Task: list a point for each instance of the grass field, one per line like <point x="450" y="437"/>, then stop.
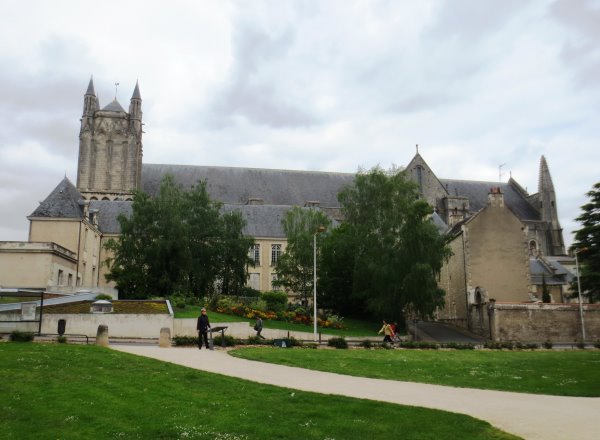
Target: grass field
<point x="564" y="373"/>
<point x="52" y="391"/>
<point x="354" y="327"/>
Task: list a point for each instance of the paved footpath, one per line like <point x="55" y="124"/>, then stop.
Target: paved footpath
<point x="531" y="416"/>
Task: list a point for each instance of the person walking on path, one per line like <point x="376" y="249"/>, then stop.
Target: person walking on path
<point x="387" y="332"/>
<point x="258" y="327"/>
<point x="202" y="327"/>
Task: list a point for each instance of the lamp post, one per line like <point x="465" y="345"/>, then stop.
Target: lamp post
<point x="317" y="232"/>
<point x="579" y="293"/>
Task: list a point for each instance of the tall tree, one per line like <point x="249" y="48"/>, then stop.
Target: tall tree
<point x="398" y="250"/>
<point x="177" y="242"/>
<point x="295" y="265"/>
<point x="233" y="256"/>
<point x="336" y="270"/>
<point x="587" y="245"/>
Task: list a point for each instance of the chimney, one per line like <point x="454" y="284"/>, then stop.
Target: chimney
<point x="495" y="197"/>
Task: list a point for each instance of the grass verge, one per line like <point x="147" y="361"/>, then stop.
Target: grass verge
<point x="561" y="373"/>
<point x="80" y="392"/>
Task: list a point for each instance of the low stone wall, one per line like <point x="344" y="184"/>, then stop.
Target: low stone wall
<point x="119" y="325"/>
<point x="540" y="322"/>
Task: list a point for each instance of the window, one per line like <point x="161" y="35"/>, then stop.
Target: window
<point x="60" y="277"/>
<point x="533" y="248"/>
<point x="254" y="254"/>
<point x="254" y="280"/>
<point x="70" y="280"/>
<point x="275" y="253"/>
<point x="274" y="278"/>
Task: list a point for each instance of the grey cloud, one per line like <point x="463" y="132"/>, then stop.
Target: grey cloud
<point x="580" y="51"/>
<point x="473" y="20"/>
<point x="252" y="91"/>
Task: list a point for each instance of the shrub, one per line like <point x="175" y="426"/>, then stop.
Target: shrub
<point x="366" y="344"/>
<point x="335" y="319"/>
<point x="276" y="301"/>
<point x="61" y="339"/>
<point x="18" y="336"/>
<point x="229" y="341"/>
<point x="499" y="345"/>
<point x="255" y="340"/>
<point x="311" y="345"/>
<point x="597" y="343"/>
<point x="103" y="296"/>
<point x="185" y="340"/>
<point x="338" y="343"/>
<point x="548" y="344"/>
<point x="459" y="346"/>
<point x="249" y="292"/>
<point x="260" y="304"/>
<point x="580" y="344"/>
<point x="419" y="345"/>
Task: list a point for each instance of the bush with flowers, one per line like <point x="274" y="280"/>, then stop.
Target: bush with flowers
<point x="298" y="316"/>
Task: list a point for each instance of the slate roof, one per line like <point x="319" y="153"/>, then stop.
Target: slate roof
<point x="261" y="220"/>
<point x="63" y="202"/>
<point x="477" y="193"/>
<point x="114" y="106"/>
<point x="439" y="222"/>
<point x="136" y="92"/>
<point x="108" y="212"/>
<point x="237" y="185"/>
<point x="554" y="272"/>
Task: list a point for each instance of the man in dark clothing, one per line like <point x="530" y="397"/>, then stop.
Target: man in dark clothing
<point x="202" y="327"/>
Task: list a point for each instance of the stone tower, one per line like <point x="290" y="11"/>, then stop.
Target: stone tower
<point x="548" y="211"/>
<point x="110" y="148"/>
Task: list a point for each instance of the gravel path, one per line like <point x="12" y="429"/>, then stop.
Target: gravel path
<point x="531" y="416"/>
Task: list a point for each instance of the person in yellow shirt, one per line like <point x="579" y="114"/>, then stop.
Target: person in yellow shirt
<point x="387" y="332"/>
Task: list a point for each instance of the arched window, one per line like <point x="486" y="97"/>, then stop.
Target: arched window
<point x="533" y="247"/>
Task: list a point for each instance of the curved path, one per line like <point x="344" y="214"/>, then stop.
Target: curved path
<point x="530" y="416"/>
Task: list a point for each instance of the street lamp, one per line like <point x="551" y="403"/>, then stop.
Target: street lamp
<point x="317" y="232"/>
<point x="579" y="293"/>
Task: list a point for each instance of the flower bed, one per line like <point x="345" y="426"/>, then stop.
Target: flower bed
<point x="287" y="316"/>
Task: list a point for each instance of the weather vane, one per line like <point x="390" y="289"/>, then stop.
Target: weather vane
<point x="116" y="87"/>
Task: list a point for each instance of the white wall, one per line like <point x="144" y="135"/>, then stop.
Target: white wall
<point x="119" y="325"/>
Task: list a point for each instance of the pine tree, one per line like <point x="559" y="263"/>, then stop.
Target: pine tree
<point x="587" y="246"/>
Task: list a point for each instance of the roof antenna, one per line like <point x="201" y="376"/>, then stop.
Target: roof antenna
<point x="116" y="87"/>
<point x="500" y="172"/>
<point x="417" y="148"/>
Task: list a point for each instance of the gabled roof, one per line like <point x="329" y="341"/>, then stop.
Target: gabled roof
<point x="63" y="202"/>
<point x="238" y="185"/>
<point x="477" y="192"/>
<point x="114" y="106"/>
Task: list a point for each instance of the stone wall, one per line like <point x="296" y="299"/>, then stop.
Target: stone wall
<point x="540" y="322"/>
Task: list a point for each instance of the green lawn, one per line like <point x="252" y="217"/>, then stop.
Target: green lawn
<point x="354" y="326"/>
<point x="564" y="373"/>
<point x="52" y="391"/>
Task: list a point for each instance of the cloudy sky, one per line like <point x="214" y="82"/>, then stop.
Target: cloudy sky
<point x="317" y="85"/>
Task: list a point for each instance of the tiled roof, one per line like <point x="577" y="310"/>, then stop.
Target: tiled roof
<point x="63" y="202"/>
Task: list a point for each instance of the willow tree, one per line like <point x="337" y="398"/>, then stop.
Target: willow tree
<point x="398" y="251"/>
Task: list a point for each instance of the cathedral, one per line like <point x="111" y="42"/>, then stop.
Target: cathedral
<point x="496" y="229"/>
